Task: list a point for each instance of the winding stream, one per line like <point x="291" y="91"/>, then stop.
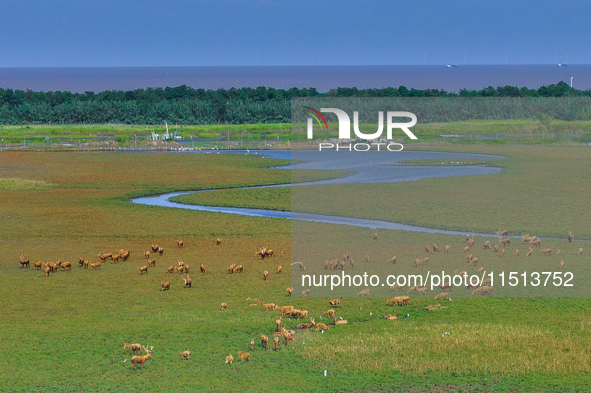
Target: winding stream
<point x="365" y="167"/>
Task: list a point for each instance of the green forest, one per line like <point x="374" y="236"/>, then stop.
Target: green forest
<point x="186" y="105"/>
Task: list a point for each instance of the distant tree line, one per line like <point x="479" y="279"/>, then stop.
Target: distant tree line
<point x="186" y="105"/>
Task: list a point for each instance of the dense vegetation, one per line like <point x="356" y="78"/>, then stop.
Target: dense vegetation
<point x="186" y="105"/>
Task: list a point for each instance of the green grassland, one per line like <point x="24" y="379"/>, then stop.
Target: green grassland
<point x="80" y="131"/>
<point x="65" y="332"/>
<point x="511" y="131"/>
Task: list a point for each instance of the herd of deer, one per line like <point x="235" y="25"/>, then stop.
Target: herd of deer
<point x="482" y="289"/>
<point x="115" y="257"/>
<point x="290" y="311"/>
<point x="282" y="331"/>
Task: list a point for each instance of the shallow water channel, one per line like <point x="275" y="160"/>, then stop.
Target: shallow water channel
<point x="367" y="167"/>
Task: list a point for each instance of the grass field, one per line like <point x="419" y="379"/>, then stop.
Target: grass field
<point x="65" y="332"/>
<point x="96" y="136"/>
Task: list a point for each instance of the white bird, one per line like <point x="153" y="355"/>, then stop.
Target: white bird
<point x="445" y="334"/>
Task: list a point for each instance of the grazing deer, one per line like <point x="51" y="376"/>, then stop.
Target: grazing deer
<point x="287" y="336"/>
<point x="570" y="236"/>
<point x="335" y="302"/>
<point x="142" y="269"/>
<point x="278" y="323"/>
<point x="165" y="285"/>
<point x="229" y="359"/>
<point x="133" y="347"/>
<point x="139" y="359"/>
<point x="244" y="356"/>
<point x="185" y="354"/>
<point x="264" y="341"/>
<point x="180" y="243"/>
<point x="188" y="281"/>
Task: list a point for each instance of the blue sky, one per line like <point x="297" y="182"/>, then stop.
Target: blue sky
<point x="44" y="33"/>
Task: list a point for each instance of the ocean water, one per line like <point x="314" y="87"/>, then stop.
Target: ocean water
<point x="322" y="78"/>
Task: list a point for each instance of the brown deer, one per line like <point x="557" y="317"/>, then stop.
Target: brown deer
<point x="139" y="359"/>
<point x="133" y="347"/>
<point x="24" y="260"/>
<point x="188" y="281"/>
